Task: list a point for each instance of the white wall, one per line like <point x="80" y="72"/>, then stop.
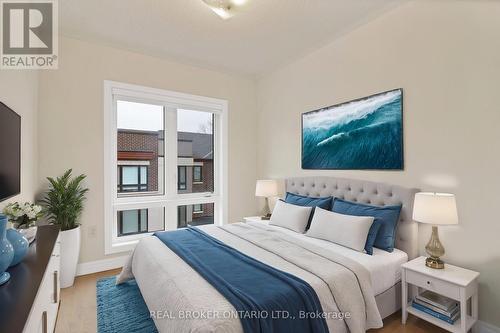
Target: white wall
<point x="446" y="57"/>
<point x="71" y="122"/>
<point x="19" y="91"/>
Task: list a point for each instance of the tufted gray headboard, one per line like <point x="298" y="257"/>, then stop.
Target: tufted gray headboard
<point x="366" y="192"/>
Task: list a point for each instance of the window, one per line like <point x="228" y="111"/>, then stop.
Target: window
<point x="132" y="221"/>
<point x="197" y="174"/>
<point x="181" y="217"/>
<point x="166" y="160"/>
<point x="139" y="131"/>
<point x="194" y="215"/>
<point x="181" y="182"/>
<point x="195" y="148"/>
<point x="198" y="208"/>
<point x="132" y="178"/>
<point x="139" y="221"/>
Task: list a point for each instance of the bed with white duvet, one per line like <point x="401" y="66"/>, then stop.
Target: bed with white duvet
<point x="346" y="281"/>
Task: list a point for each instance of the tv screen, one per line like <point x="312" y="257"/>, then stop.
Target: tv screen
<point x="10" y="152"/>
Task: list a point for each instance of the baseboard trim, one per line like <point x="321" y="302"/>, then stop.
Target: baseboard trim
<point x="100" y="265"/>
<point x="484" y="327"/>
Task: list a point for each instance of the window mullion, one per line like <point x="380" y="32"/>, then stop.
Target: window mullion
<point x="171" y="178"/>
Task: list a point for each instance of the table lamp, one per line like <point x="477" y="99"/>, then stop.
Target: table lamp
<point x="436" y="209"/>
<point x="266" y="189"/>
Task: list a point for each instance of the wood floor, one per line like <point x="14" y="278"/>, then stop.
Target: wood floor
<point x="77" y="313"/>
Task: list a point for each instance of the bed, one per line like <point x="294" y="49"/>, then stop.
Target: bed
<point x="170" y="286"/>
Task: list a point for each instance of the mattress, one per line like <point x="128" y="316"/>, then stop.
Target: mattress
<point x="384" y="267"/>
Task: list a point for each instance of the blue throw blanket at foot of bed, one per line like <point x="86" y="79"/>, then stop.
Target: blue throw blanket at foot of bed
<point x="266" y="299"/>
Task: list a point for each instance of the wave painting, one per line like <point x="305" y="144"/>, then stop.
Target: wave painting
<point x="363" y="134"/>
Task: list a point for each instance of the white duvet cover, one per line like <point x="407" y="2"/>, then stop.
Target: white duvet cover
<point x="180" y="300"/>
<point x="384" y="267"/>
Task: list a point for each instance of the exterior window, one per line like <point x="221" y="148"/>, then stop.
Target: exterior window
<point x="197" y="174"/>
<point x="132" y="222"/>
<point x="194" y="215"/>
<point x="182" y="178"/>
<point x="198" y="208"/>
<point x="148" y="137"/>
<point x="132" y="178"/>
<point x="181" y="216"/>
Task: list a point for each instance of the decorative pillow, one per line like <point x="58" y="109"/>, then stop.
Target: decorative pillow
<point x="346" y="230"/>
<point x="290" y="216"/>
<point x="383" y="231"/>
<point x="300" y="200"/>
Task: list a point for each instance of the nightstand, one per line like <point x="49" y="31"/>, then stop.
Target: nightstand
<point x="252" y="219"/>
<point x="454" y="282"/>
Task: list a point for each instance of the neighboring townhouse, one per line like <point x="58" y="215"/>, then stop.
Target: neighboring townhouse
<point x="141" y="170"/>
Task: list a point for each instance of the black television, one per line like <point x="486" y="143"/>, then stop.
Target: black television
<point x="10" y="152"/>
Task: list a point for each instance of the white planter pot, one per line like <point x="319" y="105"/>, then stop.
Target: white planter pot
<point x="70" y="251"/>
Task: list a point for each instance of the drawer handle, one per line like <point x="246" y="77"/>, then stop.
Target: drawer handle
<point x="56" y="296"/>
<point x="45" y="328"/>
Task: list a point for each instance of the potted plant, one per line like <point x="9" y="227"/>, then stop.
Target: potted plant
<point x="63" y="205"/>
<point x="23" y="217"/>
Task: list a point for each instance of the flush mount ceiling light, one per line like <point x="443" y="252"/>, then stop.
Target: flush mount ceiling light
<point x="224" y="8"/>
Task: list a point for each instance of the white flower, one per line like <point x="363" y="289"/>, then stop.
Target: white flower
<point x="16" y="211"/>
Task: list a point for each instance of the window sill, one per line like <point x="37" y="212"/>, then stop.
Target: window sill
<point x="122" y="247"/>
<point x="126" y="243"/>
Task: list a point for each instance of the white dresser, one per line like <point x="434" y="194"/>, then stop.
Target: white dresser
<point x="43" y="314"/>
<point x="30" y="300"/>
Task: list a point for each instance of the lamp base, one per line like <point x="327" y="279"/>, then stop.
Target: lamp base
<point x="434" y="262"/>
<point x="435" y="250"/>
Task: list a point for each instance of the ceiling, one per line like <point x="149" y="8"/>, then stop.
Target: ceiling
<point x="262" y="35"/>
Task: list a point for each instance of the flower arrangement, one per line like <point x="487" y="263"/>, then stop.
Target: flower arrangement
<point x="23" y="215"/>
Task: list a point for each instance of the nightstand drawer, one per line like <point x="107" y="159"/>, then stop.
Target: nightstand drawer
<point x="433" y="284"/>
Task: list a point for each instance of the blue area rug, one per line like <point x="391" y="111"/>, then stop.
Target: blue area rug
<point x="122" y="308"/>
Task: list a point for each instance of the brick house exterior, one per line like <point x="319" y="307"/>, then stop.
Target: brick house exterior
<point x="199" y="148"/>
<point x="138" y="148"/>
<point x="134" y="145"/>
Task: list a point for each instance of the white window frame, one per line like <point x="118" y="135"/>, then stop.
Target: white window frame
<point x="171" y="198"/>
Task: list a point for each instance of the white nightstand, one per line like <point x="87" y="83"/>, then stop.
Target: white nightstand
<point x="454" y="282"/>
<point x="252" y="219"/>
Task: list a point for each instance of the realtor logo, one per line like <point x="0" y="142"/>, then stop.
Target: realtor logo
<point x="29" y="34"/>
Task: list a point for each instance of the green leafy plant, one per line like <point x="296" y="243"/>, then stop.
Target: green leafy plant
<point x="63" y="202"/>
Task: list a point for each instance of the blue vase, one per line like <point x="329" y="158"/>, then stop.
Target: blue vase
<point x="6" y="251"/>
<point x="20" y="245"/>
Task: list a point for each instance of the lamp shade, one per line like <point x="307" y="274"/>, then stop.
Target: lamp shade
<point x="435" y="208"/>
<point x="266" y="188"/>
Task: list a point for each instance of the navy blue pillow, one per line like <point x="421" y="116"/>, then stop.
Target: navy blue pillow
<point x="382" y="233"/>
<point x="300" y="200"/>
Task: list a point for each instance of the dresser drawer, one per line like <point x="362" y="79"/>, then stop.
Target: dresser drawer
<point x="43" y="313"/>
<point x="433" y="284"/>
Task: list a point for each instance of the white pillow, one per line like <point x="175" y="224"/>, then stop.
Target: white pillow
<point x="290" y="216"/>
<point x="346" y="230"/>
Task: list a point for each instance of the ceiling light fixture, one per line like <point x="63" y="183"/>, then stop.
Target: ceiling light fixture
<point x="224" y="8"/>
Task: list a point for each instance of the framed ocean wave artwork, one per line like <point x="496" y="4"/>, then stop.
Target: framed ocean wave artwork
<point x="363" y="134"/>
